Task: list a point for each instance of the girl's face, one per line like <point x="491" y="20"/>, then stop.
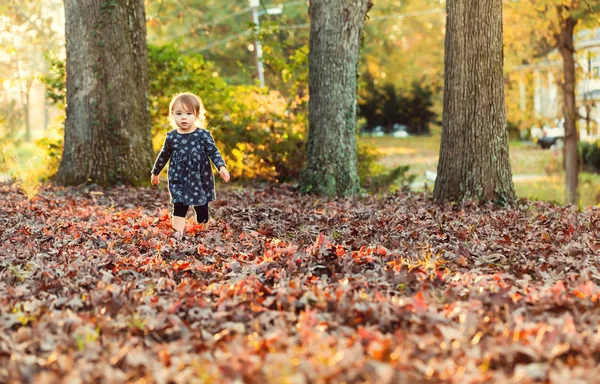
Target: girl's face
<point x="184" y="118"/>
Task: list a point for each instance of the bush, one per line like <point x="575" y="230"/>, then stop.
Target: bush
<point x="52" y="144"/>
<point x="386" y="106"/>
<point x="375" y="177"/>
<point x="590" y="153"/>
<point x="513" y="131"/>
<point x="262" y="138"/>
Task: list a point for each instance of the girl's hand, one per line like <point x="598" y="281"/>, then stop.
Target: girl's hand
<point x="224" y="174"/>
<point x="155" y="180"/>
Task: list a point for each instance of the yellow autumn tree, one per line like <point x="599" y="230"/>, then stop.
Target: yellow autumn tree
<point x="535" y="30"/>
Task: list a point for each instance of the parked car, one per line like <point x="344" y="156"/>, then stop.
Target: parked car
<point x="547" y="136"/>
<point x="378" y="131"/>
<point x="546" y="142"/>
<point x="399" y="130"/>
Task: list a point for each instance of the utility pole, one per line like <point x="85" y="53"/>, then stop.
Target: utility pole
<point x="254" y="4"/>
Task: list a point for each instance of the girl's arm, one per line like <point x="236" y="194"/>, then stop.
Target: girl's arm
<point x="213" y="152"/>
<point x="163" y="157"/>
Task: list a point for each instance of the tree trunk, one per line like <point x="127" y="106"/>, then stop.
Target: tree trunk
<point x="335" y="38"/>
<point x="107" y="130"/>
<point x="27" y="121"/>
<point x="570" y="149"/>
<point x="474" y="162"/>
<point x="25" y="91"/>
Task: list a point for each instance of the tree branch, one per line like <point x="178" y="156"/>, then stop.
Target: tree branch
<point x="544" y="47"/>
<point x="592" y="12"/>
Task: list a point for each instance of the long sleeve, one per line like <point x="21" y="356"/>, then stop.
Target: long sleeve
<point x="213" y="151"/>
<point x="163" y="157"/>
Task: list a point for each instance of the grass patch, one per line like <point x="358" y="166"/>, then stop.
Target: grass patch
<point x="26" y="165"/>
<point x="538" y="173"/>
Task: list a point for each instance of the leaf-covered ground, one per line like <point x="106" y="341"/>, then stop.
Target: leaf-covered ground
<point x="285" y="288"/>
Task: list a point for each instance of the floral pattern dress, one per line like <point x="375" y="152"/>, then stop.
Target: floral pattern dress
<point x="191" y="180"/>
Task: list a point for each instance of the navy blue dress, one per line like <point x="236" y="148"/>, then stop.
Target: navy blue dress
<point x="191" y="180"/>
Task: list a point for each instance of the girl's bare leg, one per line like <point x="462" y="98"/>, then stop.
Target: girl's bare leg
<point x="178" y="223"/>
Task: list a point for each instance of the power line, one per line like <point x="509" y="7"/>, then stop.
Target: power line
<point x="213" y="23"/>
<point x="377" y="18"/>
<point x="231" y="16"/>
<point x="307" y="25"/>
<point x="222" y="41"/>
<point x="407" y="14"/>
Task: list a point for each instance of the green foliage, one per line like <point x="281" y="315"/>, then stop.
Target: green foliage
<point x="375" y="177"/>
<point x="590" y="153"/>
<point x="223" y="32"/>
<point x="52" y="145"/>
<point x="55" y="80"/>
<point x="385" y="106"/>
<point x="286" y="61"/>
<point x="170" y="72"/>
<point x="262" y="138"/>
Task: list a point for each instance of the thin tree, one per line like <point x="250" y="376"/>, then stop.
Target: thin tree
<point x="564" y="43"/>
<point x="474" y="162"/>
<point x="107" y="130"/>
<point x="335" y="39"/>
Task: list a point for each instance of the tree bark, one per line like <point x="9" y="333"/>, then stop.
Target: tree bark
<point x="107" y="130"/>
<point x="570" y="113"/>
<point x="474" y="162"/>
<point x="335" y="39"/>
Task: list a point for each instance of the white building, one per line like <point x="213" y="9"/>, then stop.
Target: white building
<point x="547" y="95"/>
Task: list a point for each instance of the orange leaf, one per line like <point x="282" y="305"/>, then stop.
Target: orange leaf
<point x="419" y="303"/>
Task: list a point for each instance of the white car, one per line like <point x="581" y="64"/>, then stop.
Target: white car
<point x="400" y="134"/>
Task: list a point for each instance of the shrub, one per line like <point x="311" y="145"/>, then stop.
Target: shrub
<point x="590" y="153"/>
<point x="375" y="177"/>
<point x="514" y="133"/>
<point x="262" y="138"/>
<point x="385" y="105"/>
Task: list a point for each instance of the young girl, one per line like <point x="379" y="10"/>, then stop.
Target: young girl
<point x="189" y="146"/>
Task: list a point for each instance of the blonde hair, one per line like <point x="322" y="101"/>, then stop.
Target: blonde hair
<point x="189" y="102"/>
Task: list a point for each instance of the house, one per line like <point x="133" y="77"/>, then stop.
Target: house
<point x="547" y="95"/>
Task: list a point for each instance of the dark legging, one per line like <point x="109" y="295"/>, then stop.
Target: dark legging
<point x="180" y="210"/>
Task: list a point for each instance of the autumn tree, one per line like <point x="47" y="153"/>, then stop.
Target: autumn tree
<point x="107" y="129"/>
<point x="335" y="34"/>
<point x="474" y="162"/>
<point x="551" y="26"/>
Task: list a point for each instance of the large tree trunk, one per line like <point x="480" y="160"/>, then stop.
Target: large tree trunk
<point x="474" y="163"/>
<point x="570" y="149"/>
<point x="107" y="130"/>
<point x="335" y="38"/>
